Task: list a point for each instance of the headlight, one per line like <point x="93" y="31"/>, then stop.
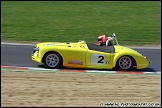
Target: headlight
<point x="35" y="49"/>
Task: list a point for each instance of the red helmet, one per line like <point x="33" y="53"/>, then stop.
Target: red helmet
<point x="102" y="40"/>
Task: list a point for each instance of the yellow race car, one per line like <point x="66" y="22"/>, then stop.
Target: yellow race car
<point x="88" y="55"/>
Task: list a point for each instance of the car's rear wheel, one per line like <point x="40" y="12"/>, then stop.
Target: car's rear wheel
<point x="52" y="60"/>
<point x="125" y="63"/>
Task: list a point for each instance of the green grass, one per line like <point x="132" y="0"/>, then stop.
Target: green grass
<point x="134" y="22"/>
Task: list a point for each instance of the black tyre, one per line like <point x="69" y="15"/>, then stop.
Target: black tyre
<point x="125" y="63"/>
<point x="52" y="60"/>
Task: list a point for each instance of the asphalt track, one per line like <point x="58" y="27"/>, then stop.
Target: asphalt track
<point x="20" y="55"/>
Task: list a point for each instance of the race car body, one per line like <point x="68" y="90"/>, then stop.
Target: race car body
<point x="88" y="55"/>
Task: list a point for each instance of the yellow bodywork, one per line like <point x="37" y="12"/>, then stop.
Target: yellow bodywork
<point x="78" y="55"/>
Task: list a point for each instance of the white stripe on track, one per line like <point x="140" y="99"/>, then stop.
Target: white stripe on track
<point x="96" y="71"/>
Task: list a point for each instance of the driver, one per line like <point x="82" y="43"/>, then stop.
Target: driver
<point x="105" y="41"/>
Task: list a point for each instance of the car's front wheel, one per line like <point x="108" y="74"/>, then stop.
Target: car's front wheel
<point x="52" y="60"/>
<point x="125" y="63"/>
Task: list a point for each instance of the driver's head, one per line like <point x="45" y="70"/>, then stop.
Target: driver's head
<point x="102" y="40"/>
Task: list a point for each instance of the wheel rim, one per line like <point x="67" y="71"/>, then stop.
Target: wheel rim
<point x="52" y="60"/>
<point x="125" y="62"/>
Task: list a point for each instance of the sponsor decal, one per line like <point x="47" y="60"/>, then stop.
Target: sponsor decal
<point x="107" y="62"/>
<point x="75" y="62"/>
<point x="49" y="44"/>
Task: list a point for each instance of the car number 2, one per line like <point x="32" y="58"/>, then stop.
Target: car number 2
<point x="101" y="58"/>
<point x="97" y="59"/>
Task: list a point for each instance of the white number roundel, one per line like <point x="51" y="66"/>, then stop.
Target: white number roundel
<point x="97" y="59"/>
